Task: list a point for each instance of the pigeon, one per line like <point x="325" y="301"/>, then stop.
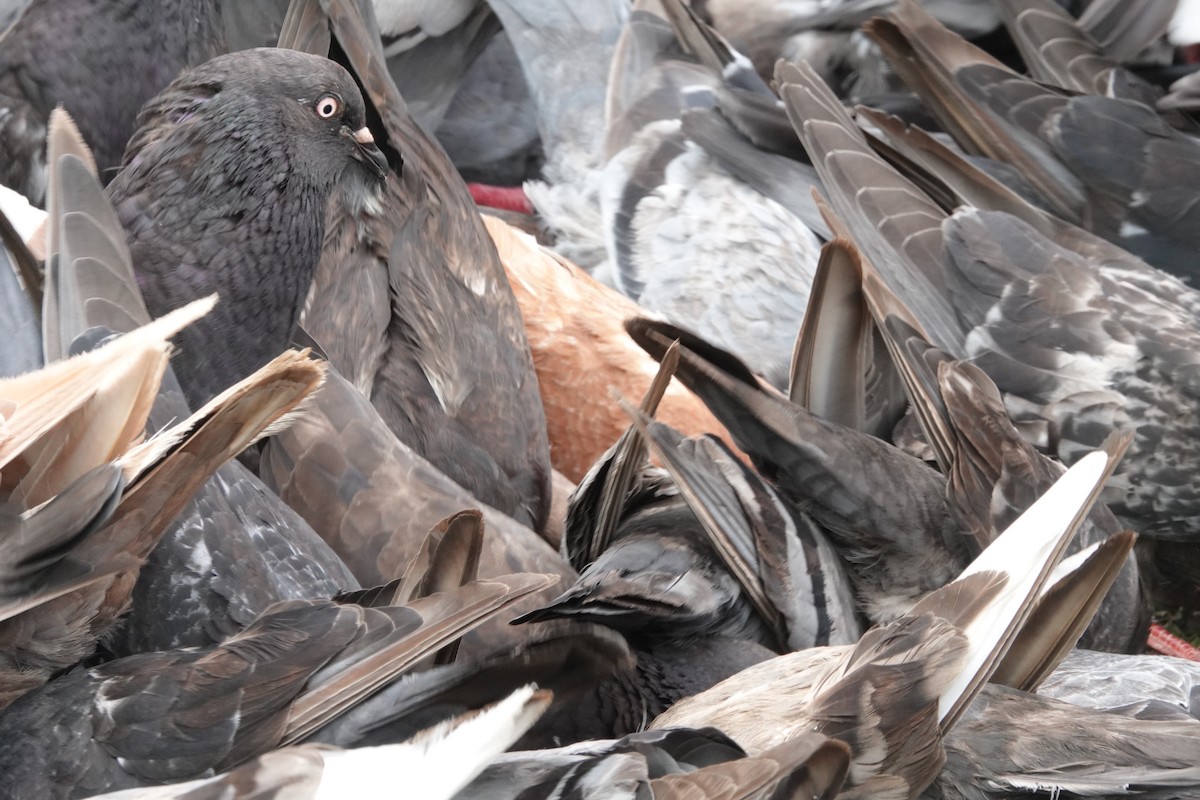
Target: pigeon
<point x="102" y="60"/>
<point x="1057" y="49"/>
<point x="897" y="527"/>
<point x="432" y="762"/>
<point x="490" y="128"/>
<point x="993" y="473"/>
<point x="989" y="283"/>
<point x="827" y="35"/>
<point x="236" y="548"/>
<point x="296" y="668"/>
<point x="894" y="695"/>
<point x="565" y="48"/>
<point x="223" y="189"/>
<point x="688" y="236"/>
<point x="411" y="305"/>
<point x="373" y="499"/>
<point x="1015" y="744"/>
<point x="92" y="408"/>
<point x="885" y="511"/>
<point x="1098" y="159"/>
<point x="697" y="600"/>
<point x="1143" y="686"/>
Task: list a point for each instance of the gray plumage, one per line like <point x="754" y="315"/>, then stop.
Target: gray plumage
<point x="1145" y="686"/>
<point x="10" y="10"/>
<point x="688" y="236"/>
<point x="565" y="48"/>
<point x="101" y="59"/>
<point x="659" y="581"/>
<point x="490" y="128"/>
<point x="1014" y="744"/>
<point x="784" y="564"/>
<point x="886" y="512"/>
<point x="233" y="551"/>
<point x="175" y="715"/>
<point x="224" y="188"/>
<point x="18" y="326"/>
<point x="235" y="548"/>
<point x="685" y="616"/>
<point x="669" y="764"/>
<point x="1079" y="336"/>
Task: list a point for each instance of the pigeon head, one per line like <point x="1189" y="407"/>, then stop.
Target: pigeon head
<point x="306" y="106"/>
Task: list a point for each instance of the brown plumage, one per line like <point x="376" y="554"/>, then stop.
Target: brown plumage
<point x="809" y="766"/>
<point x="294" y="670"/>
<point x="1058" y="51"/>
<point x="885" y="710"/>
<point x="840" y="368"/>
<point x="73" y="415"/>
<point x="1105" y="159"/>
<point x="410" y="303"/>
<point x="583" y="355"/>
<point x="373" y="499"/>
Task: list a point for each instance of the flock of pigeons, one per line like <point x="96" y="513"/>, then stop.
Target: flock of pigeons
<point x="316" y="482"/>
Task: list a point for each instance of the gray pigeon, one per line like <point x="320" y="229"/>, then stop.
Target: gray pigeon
<point x="236" y="547"/>
<point x="101" y="59"/>
<point x="224" y="189"/>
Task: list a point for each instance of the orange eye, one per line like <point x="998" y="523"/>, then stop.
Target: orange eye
<point x="328" y="106"/>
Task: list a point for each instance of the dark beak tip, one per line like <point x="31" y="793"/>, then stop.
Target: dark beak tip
<point x="374" y="160"/>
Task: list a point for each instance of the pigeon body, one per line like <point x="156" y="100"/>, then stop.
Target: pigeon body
<point x="1016" y="744"/>
<point x="102" y="60"/>
<point x="411" y="305"/>
<point x="689" y="233"/>
<point x="224" y="189"/>
<point x="182" y="714"/>
<point x="1143" y="686"/>
<point x="236" y="547"/>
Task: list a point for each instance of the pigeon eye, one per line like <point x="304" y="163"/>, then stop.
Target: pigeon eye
<point x="328" y="106"/>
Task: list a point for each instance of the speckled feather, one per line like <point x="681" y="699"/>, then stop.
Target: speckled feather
<point x="1076" y="333"/>
<point x="122" y="724"/>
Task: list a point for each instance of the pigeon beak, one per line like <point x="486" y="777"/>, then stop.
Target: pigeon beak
<point x="369" y="153"/>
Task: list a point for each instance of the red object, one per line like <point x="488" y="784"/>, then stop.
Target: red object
<point x="507" y="198"/>
<point x="1168" y="644"/>
<point x="1190" y="53"/>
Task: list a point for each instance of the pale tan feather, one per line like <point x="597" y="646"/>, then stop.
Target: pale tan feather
<point x="76" y="414"/>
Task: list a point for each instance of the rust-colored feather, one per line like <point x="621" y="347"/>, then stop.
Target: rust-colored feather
<point x="582" y="354"/>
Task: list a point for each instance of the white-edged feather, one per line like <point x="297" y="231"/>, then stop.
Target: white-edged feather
<point x="26" y="218"/>
<point x="1025" y="554"/>
<point x="437" y="763"/>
